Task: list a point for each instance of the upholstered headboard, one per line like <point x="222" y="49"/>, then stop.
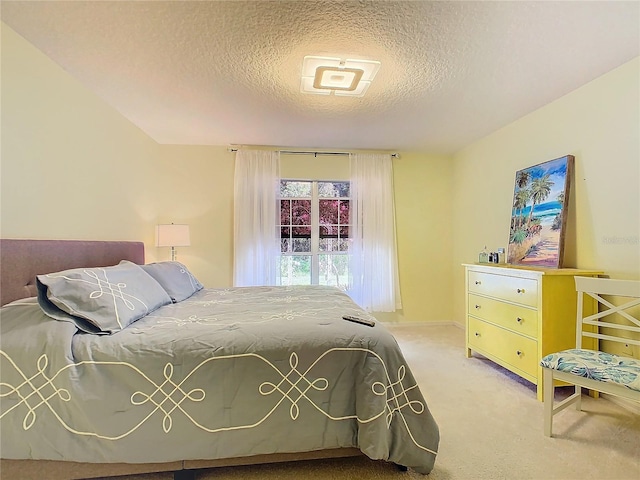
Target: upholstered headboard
<point x="22" y="260"/>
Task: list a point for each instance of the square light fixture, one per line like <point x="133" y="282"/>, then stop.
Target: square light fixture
<point x="327" y="75"/>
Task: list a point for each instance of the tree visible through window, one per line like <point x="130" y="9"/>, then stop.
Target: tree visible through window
<point x="314" y="233"/>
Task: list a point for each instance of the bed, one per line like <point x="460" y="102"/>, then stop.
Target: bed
<point x="209" y="377"/>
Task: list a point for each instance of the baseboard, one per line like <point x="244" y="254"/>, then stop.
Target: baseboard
<point x="630" y="405"/>
<point x="425" y="324"/>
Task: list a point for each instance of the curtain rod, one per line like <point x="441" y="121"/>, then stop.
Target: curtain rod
<point x="315" y="154"/>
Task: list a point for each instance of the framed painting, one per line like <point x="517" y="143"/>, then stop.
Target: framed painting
<point x="539" y="213"/>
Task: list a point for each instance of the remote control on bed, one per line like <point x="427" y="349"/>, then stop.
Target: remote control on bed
<point x="363" y="321"/>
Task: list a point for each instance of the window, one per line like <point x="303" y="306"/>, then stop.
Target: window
<point x="314" y="233"/>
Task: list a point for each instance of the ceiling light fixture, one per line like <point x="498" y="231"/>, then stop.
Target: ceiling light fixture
<point x="327" y="75"/>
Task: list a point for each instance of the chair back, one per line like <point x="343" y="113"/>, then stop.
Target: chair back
<point x="616" y="319"/>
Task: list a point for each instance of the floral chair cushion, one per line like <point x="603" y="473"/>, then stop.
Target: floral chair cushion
<point x="595" y="365"/>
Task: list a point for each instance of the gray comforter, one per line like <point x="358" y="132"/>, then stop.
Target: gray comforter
<point x="226" y="373"/>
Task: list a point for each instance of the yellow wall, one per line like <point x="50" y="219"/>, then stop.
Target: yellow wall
<point x="599" y="124"/>
<point x="422" y="189"/>
<point x="309" y="167"/>
<point x="74" y="168"/>
<point x="196" y="185"/>
<point x="70" y="163"/>
<point x="422" y="186"/>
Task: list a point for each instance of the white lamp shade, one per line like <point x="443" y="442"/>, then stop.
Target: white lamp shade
<point x="172" y="236"/>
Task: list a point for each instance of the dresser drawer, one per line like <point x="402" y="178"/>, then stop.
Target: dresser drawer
<point x="522" y="320"/>
<point x="518" y="351"/>
<point x="512" y="289"/>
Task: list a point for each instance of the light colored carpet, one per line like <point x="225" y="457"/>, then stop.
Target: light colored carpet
<point x="490" y="426"/>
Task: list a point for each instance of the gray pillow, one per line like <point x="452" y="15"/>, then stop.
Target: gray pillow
<point x="100" y="300"/>
<point x="175" y="278"/>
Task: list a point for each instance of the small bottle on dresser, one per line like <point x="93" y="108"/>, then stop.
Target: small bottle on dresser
<point x="483" y="256"/>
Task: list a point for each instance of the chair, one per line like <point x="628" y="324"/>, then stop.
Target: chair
<point x="593" y="369"/>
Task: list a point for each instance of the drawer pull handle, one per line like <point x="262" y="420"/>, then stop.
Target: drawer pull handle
<point x="521" y="290"/>
<point x="519" y="353"/>
<point x="478" y="282"/>
<point x="477" y="334"/>
<point x="477" y="306"/>
<point x="519" y="320"/>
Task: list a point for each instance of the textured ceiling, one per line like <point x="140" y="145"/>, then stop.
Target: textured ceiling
<point x="228" y="72"/>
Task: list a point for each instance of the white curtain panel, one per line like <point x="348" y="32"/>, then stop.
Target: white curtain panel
<point x="256" y="217"/>
<point x="373" y="263"/>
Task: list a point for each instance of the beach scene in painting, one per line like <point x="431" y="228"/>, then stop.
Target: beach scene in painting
<point x="540" y="197"/>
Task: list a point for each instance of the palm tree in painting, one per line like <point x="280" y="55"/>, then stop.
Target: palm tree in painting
<point x="540" y="190"/>
<point x="523" y="178"/>
<point x="557" y="221"/>
<point x="519" y="203"/>
<point x="521" y="197"/>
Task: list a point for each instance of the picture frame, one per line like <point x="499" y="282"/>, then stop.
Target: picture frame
<point x="539" y="213"/>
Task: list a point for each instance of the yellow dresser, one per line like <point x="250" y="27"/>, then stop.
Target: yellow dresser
<point x="517" y="315"/>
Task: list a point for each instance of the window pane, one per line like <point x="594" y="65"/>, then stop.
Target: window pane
<point x="301" y="245"/>
<point x="301" y="232"/>
<point x="292" y="189"/>
<point x="325" y="245"/>
<point x="344" y="212"/>
<point x="328" y="210"/>
<point x="301" y="212"/>
<point x="344" y="188"/>
<point x="285" y="212"/>
<point x="332" y="245"/>
<point x="333" y="189"/>
<point x="334" y="270"/>
<point x="295" y="270"/>
<point x="328" y="231"/>
<point x="284" y="245"/>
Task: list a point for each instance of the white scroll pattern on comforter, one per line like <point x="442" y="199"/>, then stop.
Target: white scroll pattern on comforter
<point x="309" y="385"/>
<point x="169" y="396"/>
